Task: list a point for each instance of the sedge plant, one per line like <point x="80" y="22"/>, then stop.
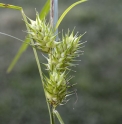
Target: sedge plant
<point x="61" y="52"/>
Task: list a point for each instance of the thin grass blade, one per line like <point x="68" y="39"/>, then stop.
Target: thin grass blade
<point x="19" y="53"/>
<point x="24" y="46"/>
<point x="66" y="11"/>
<point x="10" y="6"/>
<point x="45" y="9"/>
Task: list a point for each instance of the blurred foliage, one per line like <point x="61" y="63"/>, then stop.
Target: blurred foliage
<point x="98" y="74"/>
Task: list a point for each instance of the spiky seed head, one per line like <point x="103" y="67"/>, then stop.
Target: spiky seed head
<point x="55" y="88"/>
<point x="42" y="33"/>
<point x="63" y="54"/>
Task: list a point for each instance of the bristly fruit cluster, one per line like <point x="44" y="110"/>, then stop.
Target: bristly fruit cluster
<point x="60" y="57"/>
<point x="42" y="33"/>
<point x="55" y="88"/>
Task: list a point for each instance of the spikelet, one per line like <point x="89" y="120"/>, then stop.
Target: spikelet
<point x="62" y="55"/>
<point x="55" y="88"/>
<point x="42" y="33"/>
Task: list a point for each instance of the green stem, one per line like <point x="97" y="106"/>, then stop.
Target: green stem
<point x="58" y="116"/>
<point x="53" y="115"/>
<point x="39" y="67"/>
<point x="40" y="72"/>
<point x="53" y="21"/>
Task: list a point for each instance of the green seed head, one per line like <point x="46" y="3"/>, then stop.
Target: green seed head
<point x="62" y="55"/>
<point x="55" y="88"/>
<point x="42" y="33"/>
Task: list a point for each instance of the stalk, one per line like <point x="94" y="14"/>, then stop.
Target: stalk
<point x="53" y="22"/>
<point x="54" y="15"/>
<point x="35" y="53"/>
<point x="39" y="68"/>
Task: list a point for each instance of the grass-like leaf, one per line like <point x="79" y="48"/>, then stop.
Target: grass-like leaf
<point x="24" y="46"/>
<point x="10" y="6"/>
<point x="19" y="53"/>
<point x="67" y="10"/>
<point x="45" y="9"/>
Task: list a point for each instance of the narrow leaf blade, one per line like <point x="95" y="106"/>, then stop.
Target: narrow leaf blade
<point x="24" y="46"/>
<point x="19" y="53"/>
<point x="10" y="6"/>
<point x="45" y="9"/>
<point x="67" y="10"/>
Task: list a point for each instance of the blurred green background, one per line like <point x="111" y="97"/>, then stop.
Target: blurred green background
<point x="99" y="74"/>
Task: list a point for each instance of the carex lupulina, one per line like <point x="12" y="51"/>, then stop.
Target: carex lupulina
<point x="60" y="57"/>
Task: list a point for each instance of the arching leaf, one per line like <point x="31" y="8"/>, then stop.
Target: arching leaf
<point x="24" y="46"/>
<point x="66" y="11"/>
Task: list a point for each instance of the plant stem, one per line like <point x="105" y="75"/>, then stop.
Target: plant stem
<point x="40" y="72"/>
<point x="54" y="15"/>
<point x="35" y="53"/>
<point x="53" y="21"/>
<point x="51" y="12"/>
<point x="39" y="67"/>
<point x="53" y="115"/>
